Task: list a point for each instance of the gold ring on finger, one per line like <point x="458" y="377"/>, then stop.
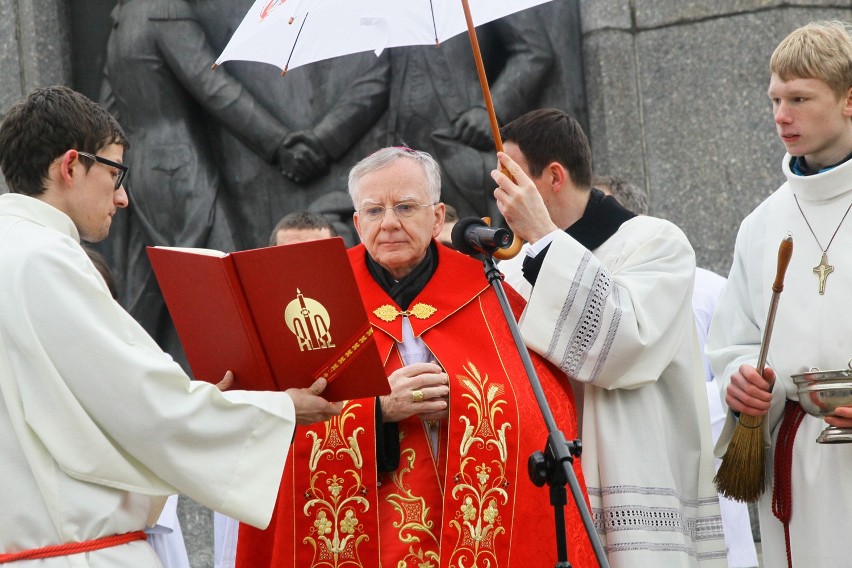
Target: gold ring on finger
<point x="417" y="395"/>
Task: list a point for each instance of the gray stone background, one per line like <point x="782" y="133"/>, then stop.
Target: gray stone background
<point x="676" y="103"/>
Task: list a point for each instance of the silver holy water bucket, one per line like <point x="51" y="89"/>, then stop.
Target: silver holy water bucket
<point x="820" y="393"/>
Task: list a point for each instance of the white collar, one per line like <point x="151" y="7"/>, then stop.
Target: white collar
<point x="37" y="211"/>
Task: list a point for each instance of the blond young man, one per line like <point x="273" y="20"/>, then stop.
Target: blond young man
<point x="811" y="93"/>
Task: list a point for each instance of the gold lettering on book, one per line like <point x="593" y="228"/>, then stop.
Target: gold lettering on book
<point x="309" y="321"/>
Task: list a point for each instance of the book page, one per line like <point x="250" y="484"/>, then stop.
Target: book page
<point x="190" y="250"/>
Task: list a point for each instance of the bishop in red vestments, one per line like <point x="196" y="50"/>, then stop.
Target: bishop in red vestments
<point x="434" y="474"/>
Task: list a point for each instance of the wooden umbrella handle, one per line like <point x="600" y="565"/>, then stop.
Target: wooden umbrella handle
<point x="515" y="247"/>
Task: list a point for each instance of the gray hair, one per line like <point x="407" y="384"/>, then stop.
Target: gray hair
<point x="385" y="157"/>
<point x="631" y="197"/>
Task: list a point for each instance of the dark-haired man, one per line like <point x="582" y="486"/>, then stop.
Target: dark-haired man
<point x="82" y="386"/>
<point x="611" y="306"/>
<point x="300" y="227"/>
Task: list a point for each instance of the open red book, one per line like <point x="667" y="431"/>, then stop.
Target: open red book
<point x="278" y="317"/>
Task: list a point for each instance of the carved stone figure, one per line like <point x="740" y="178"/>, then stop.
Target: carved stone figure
<point x="437" y="104"/>
<point x="158" y="80"/>
<point x="219" y="155"/>
<point x="335" y="106"/>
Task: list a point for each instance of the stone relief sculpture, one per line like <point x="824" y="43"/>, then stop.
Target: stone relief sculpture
<point x="436" y="101"/>
<point x="334" y="106"/>
<point x="157" y="81"/>
<point x="220" y="155"/>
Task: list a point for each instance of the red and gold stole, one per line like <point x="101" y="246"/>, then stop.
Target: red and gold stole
<point x="472" y="505"/>
<point x="327" y="509"/>
<point x="475" y="505"/>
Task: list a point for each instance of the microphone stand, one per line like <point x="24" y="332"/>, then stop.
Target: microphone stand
<point x="554" y="465"/>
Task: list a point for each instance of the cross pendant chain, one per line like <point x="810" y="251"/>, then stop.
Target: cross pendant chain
<point x="822" y="270"/>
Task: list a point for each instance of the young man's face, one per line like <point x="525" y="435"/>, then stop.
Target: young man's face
<point x="94" y="199"/>
<point x="811" y="120"/>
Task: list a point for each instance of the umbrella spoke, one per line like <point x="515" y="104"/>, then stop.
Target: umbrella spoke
<point x="434" y="25"/>
<point x="295" y="43"/>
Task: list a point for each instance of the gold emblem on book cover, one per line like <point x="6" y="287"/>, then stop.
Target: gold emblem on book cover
<point x="309" y="321"/>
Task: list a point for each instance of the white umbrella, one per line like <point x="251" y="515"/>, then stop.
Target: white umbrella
<point x="290" y="33"/>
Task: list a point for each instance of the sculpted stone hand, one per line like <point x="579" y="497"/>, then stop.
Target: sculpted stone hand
<point x="302" y="158"/>
<point x="404" y="400"/>
<point x="310" y="406"/>
<point x="474" y="129"/>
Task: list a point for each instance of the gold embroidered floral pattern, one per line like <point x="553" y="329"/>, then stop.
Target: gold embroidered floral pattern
<point x="336" y="532"/>
<point x="480" y="484"/>
<point x="413" y="522"/>
<point x="418" y="310"/>
<point x="484" y="402"/>
<point x="336" y="443"/>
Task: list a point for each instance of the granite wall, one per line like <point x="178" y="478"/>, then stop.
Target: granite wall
<point x="676" y="93"/>
<point x="34" y="49"/>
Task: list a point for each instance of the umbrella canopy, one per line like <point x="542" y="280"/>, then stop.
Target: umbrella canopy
<point x="290" y="33"/>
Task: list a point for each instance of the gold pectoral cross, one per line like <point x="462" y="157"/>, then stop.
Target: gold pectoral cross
<point x="822" y="270"/>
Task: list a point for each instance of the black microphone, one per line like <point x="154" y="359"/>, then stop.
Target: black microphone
<point x="472" y="236"/>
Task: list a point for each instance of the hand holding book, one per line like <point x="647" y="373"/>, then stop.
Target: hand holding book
<point x="278" y="317"/>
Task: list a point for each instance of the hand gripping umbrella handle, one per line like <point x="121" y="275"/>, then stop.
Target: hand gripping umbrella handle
<point x="785" y="252"/>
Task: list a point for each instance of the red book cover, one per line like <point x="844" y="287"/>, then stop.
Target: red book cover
<point x="278" y="317"/>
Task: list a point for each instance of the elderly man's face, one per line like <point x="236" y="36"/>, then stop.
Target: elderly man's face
<point x="395" y="241"/>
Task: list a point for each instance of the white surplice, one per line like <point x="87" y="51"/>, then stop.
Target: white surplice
<point x="811" y="330"/>
<point x="166" y="537"/>
<point x="619" y="320"/>
<point x="97" y="423"/>
<point x="735" y="517"/>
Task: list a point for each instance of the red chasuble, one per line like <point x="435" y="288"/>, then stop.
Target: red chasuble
<point x="472" y="506"/>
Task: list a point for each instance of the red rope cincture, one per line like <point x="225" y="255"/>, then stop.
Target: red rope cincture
<point x="782" y="491"/>
<point x="73" y="547"/>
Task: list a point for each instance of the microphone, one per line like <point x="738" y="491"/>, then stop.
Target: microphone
<point x="472" y="236"/>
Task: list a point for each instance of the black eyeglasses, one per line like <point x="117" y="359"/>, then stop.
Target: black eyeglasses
<point x="119" y="175"/>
